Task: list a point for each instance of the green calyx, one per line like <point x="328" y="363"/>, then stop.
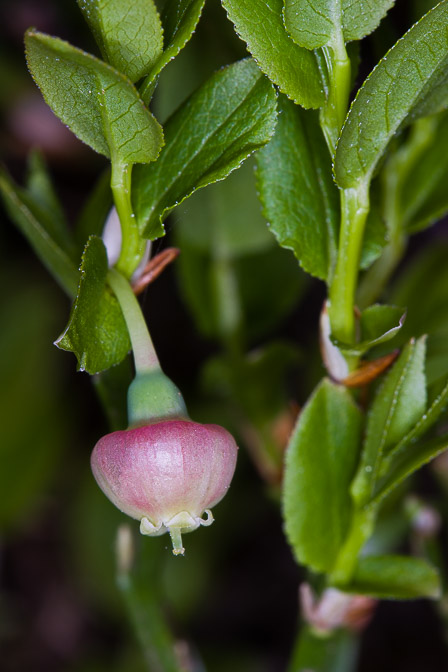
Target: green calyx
<point x="153" y="396"/>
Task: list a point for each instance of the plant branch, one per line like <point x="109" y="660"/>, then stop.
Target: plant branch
<point x="394" y="212"/>
<point x="145" y="357"/>
<point x="132" y="246"/>
<point x="332" y="115"/>
<point x="354" y="211"/>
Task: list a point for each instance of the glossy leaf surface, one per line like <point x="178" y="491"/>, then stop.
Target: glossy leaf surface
<point x="413" y="450"/>
<point x="219" y="126"/>
<point x="128" y="32"/>
<point x="320" y="463"/>
<point x="409" y="82"/>
<point x="179" y="18"/>
<point x="297" y="191"/>
<point x="399" y="403"/>
<point x="299" y="197"/>
<point x="294" y="69"/>
<point x="96" y="332"/>
<point x="97" y="103"/>
<point x="316" y="23"/>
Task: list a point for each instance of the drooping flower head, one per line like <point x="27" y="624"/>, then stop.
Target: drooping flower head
<point x="166" y="474"/>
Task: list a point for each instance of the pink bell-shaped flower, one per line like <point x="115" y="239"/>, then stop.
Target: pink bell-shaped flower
<point x="166" y="474"/>
<point x="164" y="470"/>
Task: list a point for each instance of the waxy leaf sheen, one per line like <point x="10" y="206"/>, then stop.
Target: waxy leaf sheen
<point x="317" y="23"/>
<point x="220" y="125"/>
<point x="99" y="104"/>
<point x="300" y="200"/>
<point x="128" y="32"/>
<point x="409" y="82"/>
<point x="179" y="19"/>
<point x="320" y="464"/>
<point x="399" y="403"/>
<point x="293" y="69"/>
<point x="413" y="451"/>
<point x="96" y="332"/>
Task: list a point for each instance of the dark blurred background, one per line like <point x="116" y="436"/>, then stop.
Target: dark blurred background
<point x="234" y="598"/>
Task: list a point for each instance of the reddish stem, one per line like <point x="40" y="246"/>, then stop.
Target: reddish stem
<point x="154" y="268"/>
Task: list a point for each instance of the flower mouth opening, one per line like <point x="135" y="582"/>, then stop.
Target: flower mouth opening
<point x="180" y="524"/>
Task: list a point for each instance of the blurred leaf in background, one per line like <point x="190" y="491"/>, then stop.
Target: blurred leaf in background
<point x="36" y="418"/>
<point x="236" y="280"/>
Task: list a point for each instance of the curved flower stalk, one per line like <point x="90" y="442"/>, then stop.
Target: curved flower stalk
<point x="164" y="470"/>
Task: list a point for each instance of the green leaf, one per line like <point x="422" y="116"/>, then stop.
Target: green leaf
<point x="96" y="332"/>
<point x="225" y="216"/>
<point x="411" y="453"/>
<point x="409" y="82"/>
<point x="220" y="125"/>
<point x="405" y="463"/>
<point x="320" y="22"/>
<point x="378" y="324"/>
<point x="320" y="464"/>
<point x="179" y="19"/>
<point x="426" y="309"/>
<point x="99" y="104"/>
<point x="375" y="234"/>
<point x="42" y="197"/>
<point x="424" y="197"/>
<point x="40" y="188"/>
<point x="395" y="577"/>
<point x="33" y="399"/>
<point x="300" y="200"/>
<point x="397" y="407"/>
<point x="39" y="229"/>
<point x="294" y="69"/>
<point x="128" y="32"/>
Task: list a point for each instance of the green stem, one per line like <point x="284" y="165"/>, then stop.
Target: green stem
<point x="147" y="88"/>
<point x="228" y="309"/>
<point x="138" y="586"/>
<point x="337" y="652"/>
<point x="354" y="211"/>
<point x="132" y="246"/>
<point x="145" y="357"/>
<point x="360" y="530"/>
<point x="333" y="114"/>
<point x="378" y="275"/>
<point x="396" y="214"/>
